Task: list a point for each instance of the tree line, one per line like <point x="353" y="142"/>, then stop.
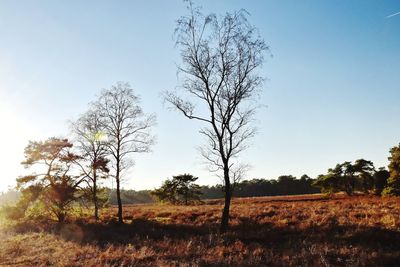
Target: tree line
<point x="283" y="185"/>
<point x="359" y="176"/>
<point x="181" y="189"/>
<point x="362" y="176"/>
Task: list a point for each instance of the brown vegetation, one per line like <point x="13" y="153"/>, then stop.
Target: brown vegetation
<point x="308" y="230"/>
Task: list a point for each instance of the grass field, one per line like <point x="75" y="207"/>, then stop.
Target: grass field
<point x="308" y="230"/>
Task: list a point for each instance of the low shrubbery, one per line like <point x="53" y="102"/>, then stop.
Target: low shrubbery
<point x="266" y="231"/>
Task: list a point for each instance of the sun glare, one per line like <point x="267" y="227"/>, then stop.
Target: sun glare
<point x="13" y="139"/>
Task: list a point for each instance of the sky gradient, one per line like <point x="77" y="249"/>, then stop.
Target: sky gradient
<point x="332" y="92"/>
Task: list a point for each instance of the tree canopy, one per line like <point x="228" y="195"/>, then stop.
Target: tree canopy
<point x="181" y="189"/>
<point x="52" y="183"/>
<point x="393" y="183"/>
<point x="348" y="177"/>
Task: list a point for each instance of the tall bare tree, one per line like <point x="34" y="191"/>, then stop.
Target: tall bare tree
<point x="91" y="143"/>
<point x="127" y="129"/>
<point x="220" y="59"/>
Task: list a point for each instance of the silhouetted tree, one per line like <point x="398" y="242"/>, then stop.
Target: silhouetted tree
<point x="52" y="182"/>
<point x="364" y="169"/>
<point x="181" y="189"/>
<point x="393" y="185"/>
<point x="286" y="184"/>
<point x="220" y="59"/>
<point x="346" y="173"/>
<point x="187" y="190"/>
<point x="127" y="129"/>
<point x="328" y="183"/>
<point x="380" y="180"/>
<point x="91" y="143"/>
<point x="347" y="177"/>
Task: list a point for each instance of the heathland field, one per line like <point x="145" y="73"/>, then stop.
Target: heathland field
<point x="308" y="230"/>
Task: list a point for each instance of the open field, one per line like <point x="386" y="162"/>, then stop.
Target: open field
<point x="268" y="231"/>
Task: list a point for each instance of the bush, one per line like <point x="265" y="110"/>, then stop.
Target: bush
<point x="12" y="212"/>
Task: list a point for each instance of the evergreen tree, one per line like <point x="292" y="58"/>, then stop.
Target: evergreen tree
<point x="393" y="186"/>
<point x="51" y="184"/>
<point x="348" y="177"/>
<point x="181" y="189"/>
<point x="380" y="180"/>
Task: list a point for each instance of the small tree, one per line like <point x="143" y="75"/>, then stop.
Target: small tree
<point x="364" y="170"/>
<point x="340" y="178"/>
<point x="166" y="193"/>
<point x="380" y="180"/>
<point x="92" y="147"/>
<point x="285" y="184"/>
<point x="347" y="177"/>
<point x="127" y="129"/>
<point x="393" y="185"/>
<point x="220" y="59"/>
<point x="180" y="190"/>
<point x="54" y="185"/>
<point x="187" y="190"/>
<point x="328" y="183"/>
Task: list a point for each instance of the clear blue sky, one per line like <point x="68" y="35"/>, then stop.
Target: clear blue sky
<point x="332" y="91"/>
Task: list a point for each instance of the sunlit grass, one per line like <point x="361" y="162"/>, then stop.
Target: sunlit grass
<point x="291" y="231"/>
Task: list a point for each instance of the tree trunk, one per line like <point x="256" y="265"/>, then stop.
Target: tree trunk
<point x="61" y="216"/>
<point x="228" y="195"/>
<point x="120" y="219"/>
<point x="96" y="207"/>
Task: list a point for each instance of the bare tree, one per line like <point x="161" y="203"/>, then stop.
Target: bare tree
<point x="127" y="129"/>
<point x="220" y="58"/>
<point x="91" y="143"/>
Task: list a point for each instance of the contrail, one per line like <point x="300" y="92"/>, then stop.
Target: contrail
<point x="395" y="14"/>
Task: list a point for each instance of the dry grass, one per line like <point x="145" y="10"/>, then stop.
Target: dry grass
<point x="269" y="231"/>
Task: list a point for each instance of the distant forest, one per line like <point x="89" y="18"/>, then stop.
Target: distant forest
<point x="284" y="185"/>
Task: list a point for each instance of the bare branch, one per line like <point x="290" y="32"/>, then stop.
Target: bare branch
<point x="127" y="128"/>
